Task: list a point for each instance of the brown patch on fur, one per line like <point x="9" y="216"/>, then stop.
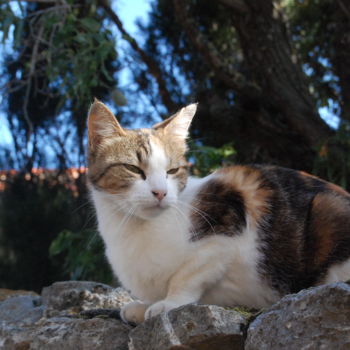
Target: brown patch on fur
<point x="330" y="220"/>
<point x="247" y="181"/>
<point x="338" y="189"/>
<point x="304" y="173"/>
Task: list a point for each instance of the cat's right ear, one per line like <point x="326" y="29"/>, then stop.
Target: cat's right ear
<point x="102" y="124"/>
<point x="178" y="124"/>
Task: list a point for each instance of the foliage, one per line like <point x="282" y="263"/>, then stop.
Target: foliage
<point x="33" y="211"/>
<point x="319" y="30"/>
<point x="63" y="56"/>
<point x="205" y="159"/>
<point x="82" y="254"/>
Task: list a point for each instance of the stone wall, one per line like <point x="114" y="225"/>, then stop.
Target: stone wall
<point x="84" y="315"/>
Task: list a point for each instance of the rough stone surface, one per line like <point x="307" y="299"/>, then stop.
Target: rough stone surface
<point x="24" y="309"/>
<point x="61" y="319"/>
<point x="197" y="327"/>
<point x="72" y="297"/>
<point x="60" y="333"/>
<point x="8" y="293"/>
<point x="85" y="316"/>
<point x="79" y="334"/>
<point x="316" y="318"/>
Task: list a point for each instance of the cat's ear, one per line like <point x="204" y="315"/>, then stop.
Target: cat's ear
<point x="178" y="124"/>
<point x="102" y="124"/>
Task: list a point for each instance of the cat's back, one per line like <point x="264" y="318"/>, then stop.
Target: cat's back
<point x="302" y="222"/>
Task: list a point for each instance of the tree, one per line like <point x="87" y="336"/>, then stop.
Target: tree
<point x="63" y="55"/>
<point x="243" y="61"/>
<point x="247" y="74"/>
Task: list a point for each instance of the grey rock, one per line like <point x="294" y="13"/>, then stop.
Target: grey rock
<point x="66" y="333"/>
<point x="72" y="297"/>
<point x="15" y="337"/>
<point x="9" y="293"/>
<point x="196" y="327"/>
<point x="80" y="334"/>
<point x="313" y="319"/>
<point x="24" y="309"/>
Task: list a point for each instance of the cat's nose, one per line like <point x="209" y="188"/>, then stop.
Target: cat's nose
<point x="159" y="194"/>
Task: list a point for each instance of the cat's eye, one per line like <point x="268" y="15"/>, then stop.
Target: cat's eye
<point x="172" y="171"/>
<point x="135" y="169"/>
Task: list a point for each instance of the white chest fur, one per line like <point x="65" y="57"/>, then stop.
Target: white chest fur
<point x="143" y="254"/>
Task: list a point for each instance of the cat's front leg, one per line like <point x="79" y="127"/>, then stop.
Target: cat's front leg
<point x="134" y="312"/>
<point x="202" y="270"/>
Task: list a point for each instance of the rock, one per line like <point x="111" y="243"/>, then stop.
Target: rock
<point x="315" y="318"/>
<point x="24" y="309"/>
<point x="196" y="327"/>
<point x="68" y="334"/>
<point x="84" y="316"/>
<point x="72" y="297"/>
<point x="79" y="334"/>
<point x="8" y="293"/>
<point x="53" y="321"/>
<point x="14" y="337"/>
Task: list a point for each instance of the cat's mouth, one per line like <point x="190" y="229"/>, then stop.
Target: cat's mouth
<point x="156" y="208"/>
<point x="159" y="206"/>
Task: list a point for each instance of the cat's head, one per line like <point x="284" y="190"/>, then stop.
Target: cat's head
<point x="142" y="170"/>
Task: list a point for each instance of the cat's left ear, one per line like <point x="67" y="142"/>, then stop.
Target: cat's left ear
<point x="178" y="124"/>
<point x="102" y="124"/>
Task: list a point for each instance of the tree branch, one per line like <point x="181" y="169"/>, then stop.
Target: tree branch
<point x="150" y="63"/>
<point x="31" y="72"/>
<point x="232" y="79"/>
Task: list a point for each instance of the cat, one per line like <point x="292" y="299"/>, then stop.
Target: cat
<point x="243" y="235"/>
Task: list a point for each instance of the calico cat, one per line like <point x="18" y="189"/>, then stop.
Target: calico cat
<point x="244" y="235"/>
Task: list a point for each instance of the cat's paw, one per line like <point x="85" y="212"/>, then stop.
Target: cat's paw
<point x="134" y="312"/>
<point x="159" y="307"/>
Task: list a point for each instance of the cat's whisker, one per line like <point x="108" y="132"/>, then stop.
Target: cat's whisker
<point x="131" y="214"/>
<point x="204" y="215"/>
<point x="82" y="206"/>
<point x="192" y="233"/>
<point x="195" y="209"/>
<point x="126" y="218"/>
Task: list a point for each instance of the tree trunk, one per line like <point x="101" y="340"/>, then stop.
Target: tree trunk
<point x="283" y="118"/>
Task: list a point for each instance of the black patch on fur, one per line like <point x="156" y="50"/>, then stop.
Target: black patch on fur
<point x="220" y="210"/>
<point x="289" y="242"/>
